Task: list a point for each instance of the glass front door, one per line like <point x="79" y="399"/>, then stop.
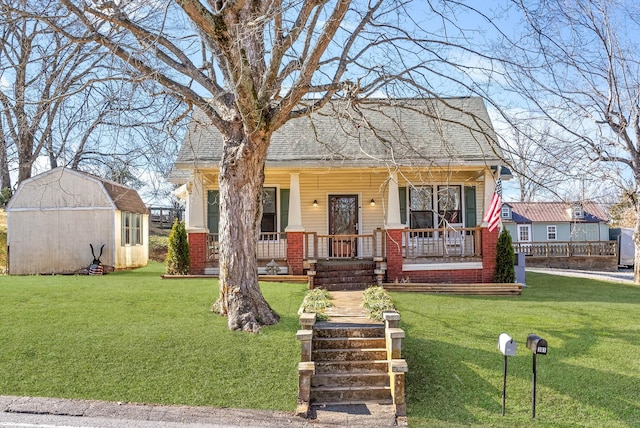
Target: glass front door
<point x="343" y="220"/>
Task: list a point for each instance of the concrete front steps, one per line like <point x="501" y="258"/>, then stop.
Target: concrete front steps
<point x="335" y="275"/>
<point x="351" y="365"/>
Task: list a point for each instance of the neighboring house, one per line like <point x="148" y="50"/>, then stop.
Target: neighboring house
<point x="560" y="230"/>
<point x="404" y="184"/>
<point x="53" y="217"/>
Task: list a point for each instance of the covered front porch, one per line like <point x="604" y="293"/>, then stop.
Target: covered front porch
<point x="452" y="252"/>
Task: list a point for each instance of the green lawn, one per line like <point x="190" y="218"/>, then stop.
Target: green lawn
<point x="131" y="336"/>
<point x="590" y="377"/>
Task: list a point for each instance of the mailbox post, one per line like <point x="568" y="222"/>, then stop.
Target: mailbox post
<point x="507" y="346"/>
<point x="538" y="346"/>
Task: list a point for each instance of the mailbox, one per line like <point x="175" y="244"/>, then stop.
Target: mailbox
<point x="506" y="345"/>
<point x="536" y="344"/>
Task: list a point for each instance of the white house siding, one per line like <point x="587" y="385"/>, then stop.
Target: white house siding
<point x="366" y="183"/>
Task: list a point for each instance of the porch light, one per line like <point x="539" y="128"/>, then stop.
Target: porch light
<point x="315" y="203"/>
<point x="372" y="203"/>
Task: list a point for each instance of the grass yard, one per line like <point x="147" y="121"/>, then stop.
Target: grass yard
<point x="131" y="336"/>
<point x="590" y="377"/>
<point x="3" y="241"/>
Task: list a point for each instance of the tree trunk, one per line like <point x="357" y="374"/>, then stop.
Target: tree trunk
<point x="241" y="179"/>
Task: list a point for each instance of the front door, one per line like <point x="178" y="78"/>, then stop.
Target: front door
<point x="524" y="238"/>
<point x="343" y="220"/>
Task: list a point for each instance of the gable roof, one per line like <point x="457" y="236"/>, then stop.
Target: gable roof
<point x="409" y="132"/>
<point x="122" y="197"/>
<point x="550" y="212"/>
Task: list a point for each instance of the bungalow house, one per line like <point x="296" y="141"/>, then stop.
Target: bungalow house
<point x="54" y="217"/>
<point x="559" y="234"/>
<point x="397" y="186"/>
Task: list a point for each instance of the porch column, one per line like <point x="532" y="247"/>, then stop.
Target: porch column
<point x="393" y="204"/>
<point x="195" y="224"/>
<point x="295" y="230"/>
<point x="393" y="232"/>
<point x="489" y="253"/>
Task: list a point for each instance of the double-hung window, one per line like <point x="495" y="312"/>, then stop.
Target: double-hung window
<point x="269" y="224"/>
<point x="552" y="233"/>
<point x="450" y="204"/>
<point x="131" y="229"/>
<point x="421" y="207"/>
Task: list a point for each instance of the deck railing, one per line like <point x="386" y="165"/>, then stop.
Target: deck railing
<point x="566" y="249"/>
<point x="344" y="246"/>
<point x="443" y="242"/>
<point x="270" y="246"/>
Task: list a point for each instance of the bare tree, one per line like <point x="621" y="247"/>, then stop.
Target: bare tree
<point x="251" y="66"/>
<point x="578" y="68"/>
<point x="66" y="103"/>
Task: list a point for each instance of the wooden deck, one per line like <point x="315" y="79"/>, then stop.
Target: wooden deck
<point x="493" y="289"/>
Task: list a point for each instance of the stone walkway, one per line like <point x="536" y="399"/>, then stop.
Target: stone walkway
<point x="348" y="308"/>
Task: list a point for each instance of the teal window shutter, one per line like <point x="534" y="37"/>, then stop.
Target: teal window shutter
<point x="470" y="213"/>
<point x="213" y="210"/>
<point x="284" y="209"/>
<point x="402" y="196"/>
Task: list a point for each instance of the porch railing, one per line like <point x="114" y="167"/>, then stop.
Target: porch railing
<point x="566" y="249"/>
<point x="270" y="246"/>
<point x="344" y="246"/>
<point x="443" y="242"/>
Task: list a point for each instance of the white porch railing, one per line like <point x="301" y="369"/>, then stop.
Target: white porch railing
<point x="270" y="246"/>
<point x="344" y="246"/>
<point x="443" y="242"/>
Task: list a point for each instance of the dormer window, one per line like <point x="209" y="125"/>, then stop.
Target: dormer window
<point x="577" y="212"/>
<point x="505" y="212"/>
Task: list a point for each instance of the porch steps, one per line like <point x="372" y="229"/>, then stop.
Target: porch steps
<point x="488" y="289"/>
<point x="350" y="364"/>
<point x="336" y="275"/>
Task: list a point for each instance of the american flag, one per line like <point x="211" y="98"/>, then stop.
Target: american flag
<point x="492" y="216"/>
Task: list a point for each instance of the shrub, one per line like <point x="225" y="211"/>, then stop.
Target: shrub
<point x="316" y="301"/>
<point x="505" y="259"/>
<point x="177" y="261"/>
<point x="377" y="300"/>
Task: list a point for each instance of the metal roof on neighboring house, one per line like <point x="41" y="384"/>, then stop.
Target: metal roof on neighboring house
<point x="406" y="132"/>
<point x="550" y="212"/>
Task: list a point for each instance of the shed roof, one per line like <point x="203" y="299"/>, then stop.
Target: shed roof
<point x="407" y="132"/>
<point x="121" y="197"/>
<point x="550" y="212"/>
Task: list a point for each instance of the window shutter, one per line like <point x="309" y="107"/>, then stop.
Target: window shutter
<point x="213" y="210"/>
<point x="284" y="209"/>
<point x="402" y="196"/>
<point x="470" y="215"/>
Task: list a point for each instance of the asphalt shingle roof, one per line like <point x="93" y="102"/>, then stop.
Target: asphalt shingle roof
<point x="408" y="132"/>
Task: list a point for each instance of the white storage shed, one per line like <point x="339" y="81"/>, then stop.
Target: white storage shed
<point x="53" y="217"/>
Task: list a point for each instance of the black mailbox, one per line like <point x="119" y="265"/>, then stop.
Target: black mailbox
<point x="536" y="344"/>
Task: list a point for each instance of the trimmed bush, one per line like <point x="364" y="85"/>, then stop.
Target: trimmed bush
<point x="505" y="259"/>
<point x="177" y="261"/>
<point x="376" y="300"/>
<point x="316" y="301"/>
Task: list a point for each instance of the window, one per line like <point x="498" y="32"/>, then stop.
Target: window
<point x="577" y="212"/>
<point x="524" y="234"/>
<point x="505" y="212"/>
<point x="269" y="211"/>
<point x="450" y="204"/>
<point x="552" y="233"/>
<point x="131" y="228"/>
<point x="421" y="207"/>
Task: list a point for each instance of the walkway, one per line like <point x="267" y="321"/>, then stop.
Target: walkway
<point x="348" y="308"/>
